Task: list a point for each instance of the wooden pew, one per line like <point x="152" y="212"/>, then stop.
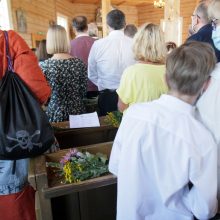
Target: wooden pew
<point x="92" y="199"/>
<point x="69" y="137"/>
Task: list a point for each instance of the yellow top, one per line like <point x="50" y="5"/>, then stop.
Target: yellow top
<point x="142" y="82"/>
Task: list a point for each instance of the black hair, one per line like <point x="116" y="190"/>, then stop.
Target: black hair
<point x="80" y="23"/>
<point x="116" y="19"/>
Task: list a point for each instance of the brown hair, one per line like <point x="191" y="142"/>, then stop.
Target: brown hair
<point x="130" y="30"/>
<point x="80" y="23"/>
<point x="187" y="68"/>
<point x="41" y="51"/>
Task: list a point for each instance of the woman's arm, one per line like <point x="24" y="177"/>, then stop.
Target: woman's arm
<point x="121" y="105"/>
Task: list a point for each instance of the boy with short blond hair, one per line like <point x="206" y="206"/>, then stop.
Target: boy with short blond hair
<point x="161" y="149"/>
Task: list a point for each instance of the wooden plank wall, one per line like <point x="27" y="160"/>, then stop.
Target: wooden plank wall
<point x="131" y="13"/>
<point x="70" y="10"/>
<point x="38" y="14"/>
<point x="148" y="13"/>
<point x="186" y="10"/>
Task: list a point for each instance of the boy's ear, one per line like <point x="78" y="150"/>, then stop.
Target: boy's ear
<point x="166" y="80"/>
<point x="206" y="84"/>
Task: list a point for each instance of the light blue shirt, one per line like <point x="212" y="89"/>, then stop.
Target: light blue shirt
<point x="13" y="183"/>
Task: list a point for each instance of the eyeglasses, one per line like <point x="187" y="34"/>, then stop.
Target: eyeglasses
<point x="214" y="23"/>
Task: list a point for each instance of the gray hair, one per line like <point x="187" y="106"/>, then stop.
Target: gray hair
<point x="202" y="12"/>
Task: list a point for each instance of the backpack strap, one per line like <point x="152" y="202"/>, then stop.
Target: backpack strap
<point x="10" y="62"/>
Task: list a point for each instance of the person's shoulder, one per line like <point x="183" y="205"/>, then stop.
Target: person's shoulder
<point x="204" y="34"/>
<point x="140" y="110"/>
<point x="75" y="60"/>
<point x="101" y="41"/>
<point x="45" y="63"/>
<point x="88" y="38"/>
<point x="132" y="68"/>
<point x="128" y="38"/>
<point x="216" y="72"/>
<point x="12" y="33"/>
<point x="15" y="37"/>
<point x="201" y="134"/>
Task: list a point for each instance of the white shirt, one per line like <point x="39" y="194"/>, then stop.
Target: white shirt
<point x="159" y="148"/>
<point x="209" y="109"/>
<point x="108" y="59"/>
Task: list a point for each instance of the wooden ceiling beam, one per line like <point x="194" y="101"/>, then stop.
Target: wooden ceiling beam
<point x="115" y="2"/>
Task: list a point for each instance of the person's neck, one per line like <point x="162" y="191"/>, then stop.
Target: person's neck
<point x="78" y="34"/>
<point x="150" y="62"/>
<point x="201" y="25"/>
<point x="185" y="98"/>
<point x="61" y="56"/>
<point x="111" y="29"/>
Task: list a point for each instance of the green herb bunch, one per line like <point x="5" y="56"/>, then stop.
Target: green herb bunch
<point x="114" y="118"/>
<point x="76" y="166"/>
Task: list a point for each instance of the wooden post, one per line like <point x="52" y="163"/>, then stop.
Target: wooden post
<point x="106" y="8"/>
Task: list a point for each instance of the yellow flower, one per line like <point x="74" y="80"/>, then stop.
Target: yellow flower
<point x="68" y="172"/>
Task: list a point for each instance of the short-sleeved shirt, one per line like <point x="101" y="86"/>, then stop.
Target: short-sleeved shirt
<point x="141" y="83"/>
<point x="68" y="80"/>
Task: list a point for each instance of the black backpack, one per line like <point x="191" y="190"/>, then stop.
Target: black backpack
<point x="24" y="128"/>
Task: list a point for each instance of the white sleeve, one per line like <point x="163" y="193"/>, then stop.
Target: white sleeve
<point x="117" y="147"/>
<point x="202" y="198"/>
<point x="92" y="65"/>
<point x="115" y="153"/>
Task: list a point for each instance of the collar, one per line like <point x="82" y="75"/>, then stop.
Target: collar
<point x="116" y="33"/>
<point x="205" y="27"/>
<point x="82" y="35"/>
<point x="176" y="104"/>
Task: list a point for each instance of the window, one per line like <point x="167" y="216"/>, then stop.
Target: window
<point x="63" y="21"/>
<point x="5" y="15"/>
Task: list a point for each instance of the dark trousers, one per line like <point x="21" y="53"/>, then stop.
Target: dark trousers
<point x="92" y="94"/>
<point x="107" y="101"/>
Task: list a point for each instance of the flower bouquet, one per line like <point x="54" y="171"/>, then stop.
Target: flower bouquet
<point x="114" y="118"/>
<point x="76" y="166"/>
